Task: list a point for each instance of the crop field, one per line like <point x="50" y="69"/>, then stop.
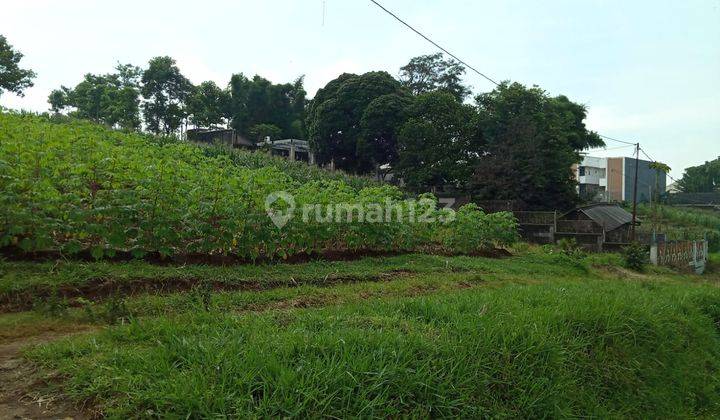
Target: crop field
<point x="80" y="188"/>
<point x="682" y="223"/>
<point x="141" y="277"/>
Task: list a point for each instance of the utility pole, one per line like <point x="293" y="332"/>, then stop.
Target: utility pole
<point x="635" y="186"/>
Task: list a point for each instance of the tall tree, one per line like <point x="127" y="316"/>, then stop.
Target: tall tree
<point x="258" y="101"/>
<point x="207" y="104"/>
<point x="380" y="125"/>
<point x="335" y="115"/>
<point x="436" y="144"/>
<point x="701" y="178"/>
<point x="429" y="73"/>
<point x="531" y="141"/>
<point x="13" y="78"/>
<point x="165" y="90"/>
<point x="111" y="99"/>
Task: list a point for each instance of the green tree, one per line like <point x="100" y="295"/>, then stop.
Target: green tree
<point x="531" y="141"/>
<point x="13" y="78"/>
<point x="259" y="101"/>
<point x="165" y="90"/>
<point x="701" y="178"/>
<point x="380" y="123"/>
<point x="59" y="99"/>
<point x="429" y="73"/>
<point x="334" y="119"/>
<point x="436" y="144"/>
<point x="207" y="104"/>
<point x="111" y="99"/>
<point x="259" y="132"/>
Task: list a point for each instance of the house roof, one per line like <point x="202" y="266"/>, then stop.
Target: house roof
<point x="610" y="216"/>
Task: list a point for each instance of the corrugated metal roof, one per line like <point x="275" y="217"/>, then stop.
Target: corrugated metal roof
<point x="610" y="216"/>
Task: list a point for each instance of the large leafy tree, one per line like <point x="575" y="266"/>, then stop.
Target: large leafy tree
<point x="437" y="143"/>
<point x="206" y="105"/>
<point x="258" y="101"/>
<point x="165" y="90"/>
<point x="429" y="73"/>
<point x="335" y="117"/>
<point x="13" y="78"/>
<point x="111" y="99"/>
<point x="701" y="178"/>
<point x="531" y="141"/>
<point x="380" y="124"/>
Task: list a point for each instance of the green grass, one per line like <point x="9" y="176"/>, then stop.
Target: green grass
<point x="569" y="348"/>
<point x="16" y="277"/>
<point x="539" y="334"/>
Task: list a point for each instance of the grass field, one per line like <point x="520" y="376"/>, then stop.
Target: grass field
<point x="539" y="334"/>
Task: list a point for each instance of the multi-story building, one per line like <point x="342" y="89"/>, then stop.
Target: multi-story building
<point x="612" y="179"/>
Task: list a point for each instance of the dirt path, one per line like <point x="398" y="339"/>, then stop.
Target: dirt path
<point x="19" y="381"/>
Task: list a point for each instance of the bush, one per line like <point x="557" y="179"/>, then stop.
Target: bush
<point x="635" y="256"/>
<point x="473" y="230"/>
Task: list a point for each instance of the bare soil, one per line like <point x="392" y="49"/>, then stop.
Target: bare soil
<point x="20" y="382"/>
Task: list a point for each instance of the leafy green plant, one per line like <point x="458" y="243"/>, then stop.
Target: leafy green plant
<point x="635" y="256"/>
<point x="570" y="247"/>
<point x="53" y="306"/>
<point x="77" y="187"/>
<point x="115" y="310"/>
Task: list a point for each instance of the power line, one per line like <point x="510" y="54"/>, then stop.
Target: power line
<point x="396" y="17"/>
<point x="619" y="141"/>
<point x="653" y="160"/>
<point x="434" y="43"/>
<point x="598" y="149"/>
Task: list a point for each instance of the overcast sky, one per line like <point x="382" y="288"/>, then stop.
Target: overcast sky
<point x="648" y="71"/>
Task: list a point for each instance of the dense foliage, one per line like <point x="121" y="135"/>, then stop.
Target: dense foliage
<point x="701" y="178"/>
<point x="81" y="187"/>
<point x="111" y="99"/>
<point x="13" y="78"/>
<point x="513" y="143"/>
<point x="350" y="118"/>
<point x="170" y="101"/>
<point x="530" y="141"/>
<point x="436" y="143"/>
<point x="430" y="73"/>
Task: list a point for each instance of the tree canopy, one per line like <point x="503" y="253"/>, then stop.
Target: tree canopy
<point x="259" y="101"/>
<point x="13" y="78"/>
<point x="111" y="99"/>
<point x="165" y="90"/>
<point x="701" y="178"/>
<point x="335" y="118"/>
<point x="436" y="143"/>
<point x="207" y="105"/>
<point x="531" y="141"/>
<point x="429" y="73"/>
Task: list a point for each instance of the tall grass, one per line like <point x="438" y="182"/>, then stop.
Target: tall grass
<point x="567" y="349"/>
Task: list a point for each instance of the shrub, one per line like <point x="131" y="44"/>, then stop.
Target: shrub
<point x="635" y="256"/>
<point x="472" y="230"/>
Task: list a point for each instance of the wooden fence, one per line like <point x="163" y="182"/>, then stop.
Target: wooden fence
<point x="681" y="254"/>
